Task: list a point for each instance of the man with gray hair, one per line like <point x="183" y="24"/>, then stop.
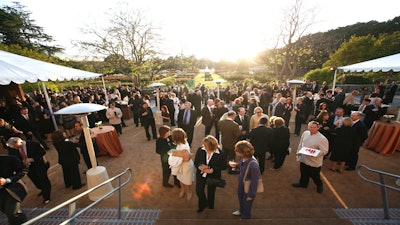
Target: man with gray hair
<point x="362" y="135"/>
<point x="187" y="118"/>
<point x="230" y="132"/>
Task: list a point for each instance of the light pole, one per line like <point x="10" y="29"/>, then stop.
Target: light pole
<point x="218" y="82"/>
<point x="96" y="174"/>
<point x="158" y="112"/>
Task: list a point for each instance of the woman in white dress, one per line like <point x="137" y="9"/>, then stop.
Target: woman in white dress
<point x="176" y="105"/>
<point x="185" y="174"/>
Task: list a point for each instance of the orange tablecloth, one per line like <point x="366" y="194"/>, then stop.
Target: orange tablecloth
<point x="384" y="138"/>
<point x="108" y="141"/>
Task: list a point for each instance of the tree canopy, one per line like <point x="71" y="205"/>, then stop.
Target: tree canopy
<point x="17" y="28"/>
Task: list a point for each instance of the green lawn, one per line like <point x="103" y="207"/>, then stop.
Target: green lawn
<point x="199" y="78"/>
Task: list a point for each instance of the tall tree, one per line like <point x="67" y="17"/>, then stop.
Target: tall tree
<point x="297" y="20"/>
<point x="129" y="35"/>
<point x="17" y="28"/>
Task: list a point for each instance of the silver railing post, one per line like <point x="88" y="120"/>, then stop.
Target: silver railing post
<point x="384" y="197"/>
<point x="71" y="211"/>
<point x="119" y="197"/>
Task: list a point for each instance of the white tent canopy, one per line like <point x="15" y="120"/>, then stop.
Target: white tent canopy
<point x="384" y="64"/>
<point x="19" y="69"/>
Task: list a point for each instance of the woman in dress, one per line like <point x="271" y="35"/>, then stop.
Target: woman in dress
<point x="344" y="140"/>
<point x="165" y="114"/>
<point x="175" y="100"/>
<point x="185" y="174"/>
<point x="288" y="111"/>
<point x="68" y="158"/>
<point x="245" y="151"/>
<point x="281" y="142"/>
<point x="301" y="116"/>
<point x="209" y="161"/>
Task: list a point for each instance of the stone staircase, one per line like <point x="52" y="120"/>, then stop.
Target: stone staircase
<point x="270" y="216"/>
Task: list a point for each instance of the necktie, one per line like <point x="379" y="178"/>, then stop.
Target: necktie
<point x="186" y="117"/>
<point x="23" y="155"/>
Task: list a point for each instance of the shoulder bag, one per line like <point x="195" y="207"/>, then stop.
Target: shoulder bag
<point x="260" y="186"/>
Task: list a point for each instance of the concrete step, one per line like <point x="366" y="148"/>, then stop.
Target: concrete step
<point x="95" y="216"/>
<point x="270" y="216"/>
<point x="369" y="216"/>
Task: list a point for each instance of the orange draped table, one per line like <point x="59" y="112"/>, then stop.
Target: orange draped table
<point x="384" y="137"/>
<point x="108" y="141"/>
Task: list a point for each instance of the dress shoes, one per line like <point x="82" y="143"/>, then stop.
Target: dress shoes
<point x="349" y="169"/>
<point x="46" y="201"/>
<point x="199" y="210"/>
<point x="83" y="184"/>
<point x="298" y="185"/>
<point x="320" y="189"/>
<point x="168" y="185"/>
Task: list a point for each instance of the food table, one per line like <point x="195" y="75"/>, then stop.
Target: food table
<point x="107" y="139"/>
<point x="384" y="137"/>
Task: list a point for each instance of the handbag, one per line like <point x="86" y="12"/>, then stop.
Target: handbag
<point x="216" y="182"/>
<point x="260" y="185"/>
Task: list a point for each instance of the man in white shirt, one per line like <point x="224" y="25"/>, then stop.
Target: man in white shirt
<point x="310" y="166"/>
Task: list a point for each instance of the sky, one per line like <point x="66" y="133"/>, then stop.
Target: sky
<point x="213" y="29"/>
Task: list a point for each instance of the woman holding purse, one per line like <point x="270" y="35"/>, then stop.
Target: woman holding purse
<point x="249" y="171"/>
<point x="209" y="162"/>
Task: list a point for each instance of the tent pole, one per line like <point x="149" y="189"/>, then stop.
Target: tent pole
<point x="334" y="82"/>
<point x="46" y="95"/>
<point x="104" y="90"/>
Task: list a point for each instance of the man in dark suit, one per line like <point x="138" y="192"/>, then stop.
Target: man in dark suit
<point x="362" y="135"/>
<point x="207" y="115"/>
<point x="373" y="112"/>
<point x="170" y="105"/>
<point x="261" y="138"/>
<point x="31" y="153"/>
<point x="230" y="132"/>
<point x="12" y="193"/>
<point x="339" y="98"/>
<point x="244" y="122"/>
<point x="26" y="123"/>
<point x="390" y="92"/>
<point x="186" y="120"/>
<point x="280" y="107"/>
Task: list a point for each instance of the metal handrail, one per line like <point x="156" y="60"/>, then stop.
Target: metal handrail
<point x="74" y="199"/>
<point x="382" y="184"/>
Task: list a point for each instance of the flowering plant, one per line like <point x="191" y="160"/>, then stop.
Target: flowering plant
<point x="388" y="118"/>
<point x="99" y="124"/>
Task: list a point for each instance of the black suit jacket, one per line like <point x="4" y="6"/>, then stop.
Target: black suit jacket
<point x="207" y="116"/>
<point x="34" y="150"/>
<point x="279" y="109"/>
<point x="217" y="163"/>
<point x="371" y="116"/>
<point x="25" y="125"/>
<point x="12" y="168"/>
<point x="192" y="119"/>
<point x="361" y="131"/>
<point x="67" y="153"/>
<point x="245" y="123"/>
<point x="261" y="138"/>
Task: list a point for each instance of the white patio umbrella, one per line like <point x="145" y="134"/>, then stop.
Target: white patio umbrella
<point x="96" y="174"/>
<point x="157" y="85"/>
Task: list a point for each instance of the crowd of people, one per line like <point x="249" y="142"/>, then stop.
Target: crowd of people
<point x="250" y="123"/>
